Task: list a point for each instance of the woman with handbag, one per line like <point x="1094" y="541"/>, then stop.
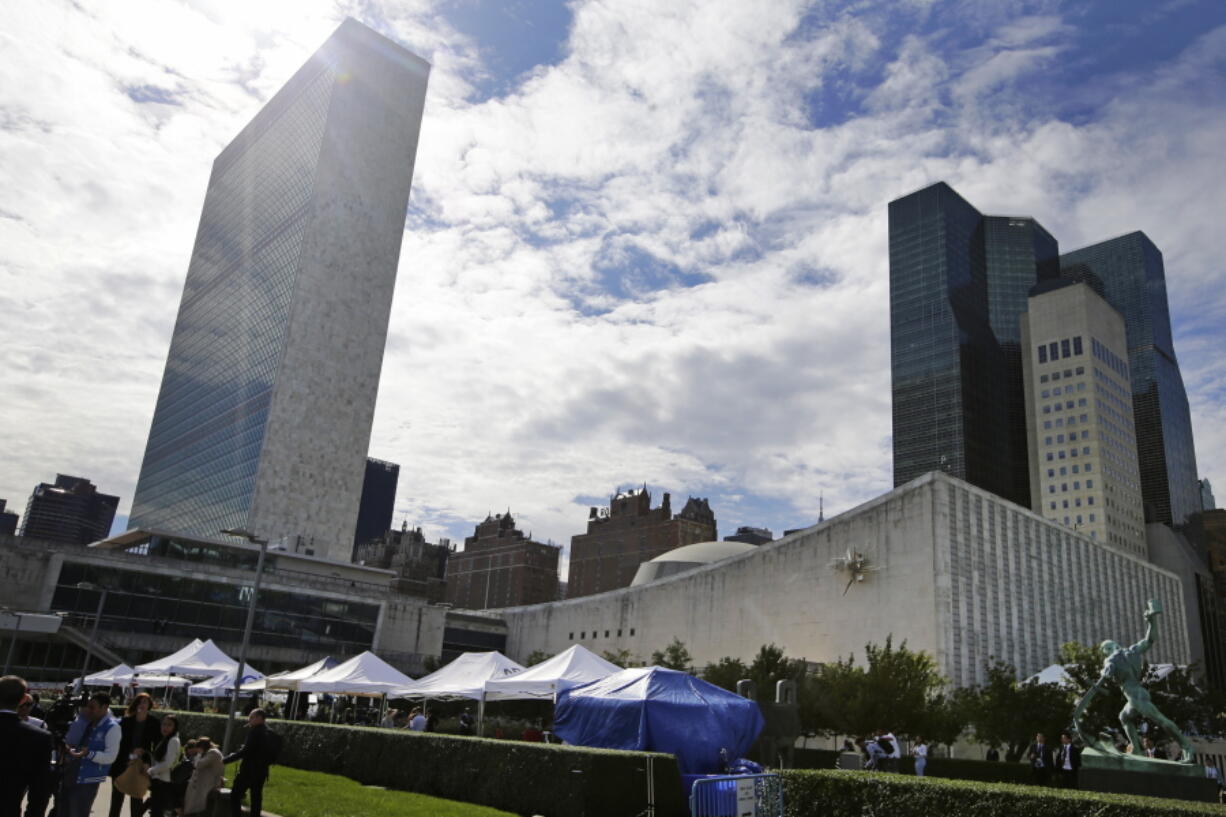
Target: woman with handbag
<point x="165" y="755"/>
<point x="137" y="735"/>
<point x="206" y="779"/>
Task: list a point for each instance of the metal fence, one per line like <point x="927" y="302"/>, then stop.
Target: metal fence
<point x="742" y="795"/>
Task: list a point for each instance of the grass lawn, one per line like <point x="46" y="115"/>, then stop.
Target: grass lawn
<point x="295" y="793"/>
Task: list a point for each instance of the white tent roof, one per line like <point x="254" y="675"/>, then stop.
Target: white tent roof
<point x="365" y="674"/>
<point x="1054" y="674"/>
<point x="577" y="665"/>
<point x="200" y="658"/>
<point x="121" y="674"/>
<point x="160" y="680"/>
<point x="223" y="683"/>
<point x="290" y="678"/>
<point x="464" y="677"/>
<point x="163" y="664"/>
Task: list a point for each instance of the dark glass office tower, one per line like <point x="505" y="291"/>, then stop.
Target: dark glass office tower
<point x="71" y="511"/>
<point x="958" y="283"/>
<point x="264" y="415"/>
<point x="1134" y="282"/>
<point x="378" y="501"/>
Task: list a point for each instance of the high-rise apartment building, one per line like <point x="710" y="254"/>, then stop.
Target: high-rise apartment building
<point x="629" y="532"/>
<point x="378" y="502"/>
<point x="1133" y="278"/>
<point x="1207" y="501"/>
<point x="264" y="414"/>
<point x="959" y="281"/>
<point x="501" y="567"/>
<point x="1083" y="449"/>
<point x="70" y="511"/>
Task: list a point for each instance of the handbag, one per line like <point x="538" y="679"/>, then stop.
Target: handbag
<point x="134" y="780"/>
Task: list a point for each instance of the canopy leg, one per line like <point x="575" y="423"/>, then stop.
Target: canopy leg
<point x="481" y="717"/>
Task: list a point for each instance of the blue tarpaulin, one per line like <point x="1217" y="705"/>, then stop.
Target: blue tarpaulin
<point x="660" y="710"/>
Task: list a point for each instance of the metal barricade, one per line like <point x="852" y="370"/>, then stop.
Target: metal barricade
<point x="740" y="795"/>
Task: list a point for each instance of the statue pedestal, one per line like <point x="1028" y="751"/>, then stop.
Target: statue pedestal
<point x="1136" y="774"/>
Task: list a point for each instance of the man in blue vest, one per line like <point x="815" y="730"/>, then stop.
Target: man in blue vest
<point x="94" y="753"/>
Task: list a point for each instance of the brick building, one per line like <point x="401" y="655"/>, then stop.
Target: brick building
<point x="501" y="567"/>
<point x="421" y="566"/>
<point x="628" y="533"/>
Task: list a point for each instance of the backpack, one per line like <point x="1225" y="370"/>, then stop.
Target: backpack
<point x="886" y="745"/>
<point x="273" y="742"/>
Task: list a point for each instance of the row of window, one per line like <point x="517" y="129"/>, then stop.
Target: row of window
<point x="1060" y="405"/>
<point x="1043" y="378"/>
<point x="1072" y="452"/>
<point x="1057" y="349"/>
<point x="596" y="634"/>
<point x="1117" y="364"/>
<point x="1060" y="422"/>
<point x="1064" y="470"/>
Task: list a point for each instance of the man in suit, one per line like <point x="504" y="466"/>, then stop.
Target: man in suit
<point x="1067" y="762"/>
<point x="1150" y="750"/>
<point x="25" y="752"/>
<point x="1040" y="756"/>
<point x="256" y="756"/>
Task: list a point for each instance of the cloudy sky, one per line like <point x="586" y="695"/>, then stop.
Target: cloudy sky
<point x="646" y="240"/>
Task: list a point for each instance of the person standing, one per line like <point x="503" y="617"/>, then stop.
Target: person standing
<point x="1067" y="762"/>
<point x="417" y="721"/>
<point x="210" y="769"/>
<point x="992" y="755"/>
<point x="25" y="752"/>
<point x="138" y="732"/>
<point x="164" y="755"/>
<point x="1040" y="756"/>
<point x="920" y="751"/>
<point x="96" y="751"/>
<point x="257" y="756"/>
<point x="1152" y="750"/>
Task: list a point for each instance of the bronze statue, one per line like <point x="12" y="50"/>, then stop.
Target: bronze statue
<point x="1124" y="665"/>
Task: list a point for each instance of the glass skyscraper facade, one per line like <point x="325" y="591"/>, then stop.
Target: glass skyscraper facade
<point x="959" y="281"/>
<point x="1133" y="277"/>
<point x="264" y="412"/>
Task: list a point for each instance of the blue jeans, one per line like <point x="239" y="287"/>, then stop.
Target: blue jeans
<point x="79" y="799"/>
<point x="920" y="763"/>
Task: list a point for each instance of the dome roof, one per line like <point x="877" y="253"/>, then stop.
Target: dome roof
<point x="687" y="557"/>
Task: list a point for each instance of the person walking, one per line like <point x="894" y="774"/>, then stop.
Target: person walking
<point x="25" y="753"/>
<point x="1040" y="756"/>
<point x="96" y="751"/>
<point x="920" y="752"/>
<point x="210" y="770"/>
<point x="164" y="756"/>
<point x="138" y="732"/>
<point x="257" y="755"/>
<point x="876" y="755"/>
<point x="1067" y="761"/>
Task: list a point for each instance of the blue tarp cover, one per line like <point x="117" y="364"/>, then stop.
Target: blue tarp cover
<point x="660" y="710"/>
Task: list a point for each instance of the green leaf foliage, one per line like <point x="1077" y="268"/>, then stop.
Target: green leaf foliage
<point x="1007" y="713"/>
<point x="621" y="658"/>
<point x="674" y="656"/>
<point x="725" y="673"/>
<point x="536" y="657"/>
<point x="827" y="793"/>
<point x="523" y="778"/>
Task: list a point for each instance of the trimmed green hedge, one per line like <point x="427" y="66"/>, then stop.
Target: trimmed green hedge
<point x="525" y="778"/>
<point x="869" y="794"/>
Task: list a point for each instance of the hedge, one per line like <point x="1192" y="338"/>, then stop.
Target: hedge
<point x="825" y="793"/>
<point x="524" y="778"/>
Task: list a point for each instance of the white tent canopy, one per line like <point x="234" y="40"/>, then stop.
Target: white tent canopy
<point x="202" y="659"/>
<point x="464" y="677"/>
<point x="223" y="683"/>
<point x="291" y="678"/>
<point x="365" y="674"/>
<point x="159" y="680"/>
<point x="121" y="674"/>
<point x="576" y="665"/>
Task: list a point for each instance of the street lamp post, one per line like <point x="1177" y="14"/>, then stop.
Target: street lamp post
<point x="8" y="661"/>
<point x="93" y="633"/>
<point x="242" y="653"/>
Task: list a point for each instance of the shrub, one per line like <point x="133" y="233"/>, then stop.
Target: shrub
<point x="866" y="794"/>
<point x="525" y="778"/>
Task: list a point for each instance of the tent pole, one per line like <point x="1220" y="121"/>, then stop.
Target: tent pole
<point x="481" y="717"/>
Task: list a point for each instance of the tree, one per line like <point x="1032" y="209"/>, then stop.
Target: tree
<point x="726" y="672"/>
<point x="537" y="657"/>
<point x="621" y="658"/>
<point x="771" y="666"/>
<point x="675" y="656"/>
<point x="1006" y="713"/>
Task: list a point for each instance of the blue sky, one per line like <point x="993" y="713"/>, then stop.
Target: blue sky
<point x="646" y="241"/>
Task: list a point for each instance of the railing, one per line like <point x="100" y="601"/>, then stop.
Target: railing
<point x="742" y="795"/>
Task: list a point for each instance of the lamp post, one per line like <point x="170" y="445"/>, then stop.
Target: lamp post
<point x="242" y="653"/>
<point x="93" y="633"/>
<point x="8" y="661"/>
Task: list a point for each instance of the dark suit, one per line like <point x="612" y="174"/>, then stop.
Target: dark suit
<point x="25" y="758"/>
<point x="1040" y="757"/>
<point x="256" y="757"/>
<point x="150" y="731"/>
<point x="1067" y="777"/>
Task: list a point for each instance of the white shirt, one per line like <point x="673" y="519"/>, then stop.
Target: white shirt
<point x="418" y="724"/>
<point x="920" y="750"/>
<point x="1066" y="751"/>
<point x="893" y="740"/>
